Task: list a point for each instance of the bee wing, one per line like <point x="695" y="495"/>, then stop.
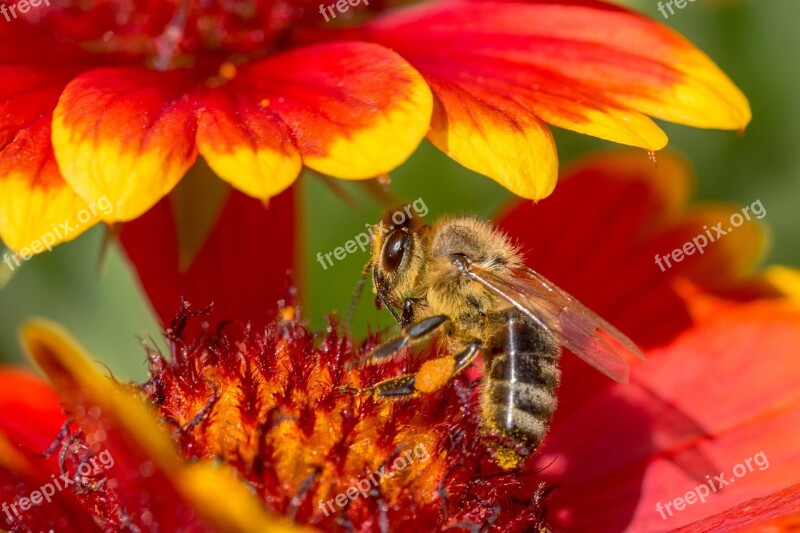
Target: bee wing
<point x="574" y="326"/>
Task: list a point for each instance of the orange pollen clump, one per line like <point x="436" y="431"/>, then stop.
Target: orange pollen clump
<point x="433" y="375"/>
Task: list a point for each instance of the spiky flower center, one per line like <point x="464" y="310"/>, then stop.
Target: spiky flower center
<point x="180" y="33"/>
<point x="269" y="404"/>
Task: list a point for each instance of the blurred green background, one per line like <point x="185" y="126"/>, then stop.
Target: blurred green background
<point x="755" y="42"/>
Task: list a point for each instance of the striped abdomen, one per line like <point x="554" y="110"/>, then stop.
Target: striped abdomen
<point x="518" y="396"/>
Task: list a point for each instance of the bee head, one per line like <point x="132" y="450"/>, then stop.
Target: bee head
<point x="396" y="258"/>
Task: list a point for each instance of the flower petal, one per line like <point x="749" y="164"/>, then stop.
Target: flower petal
<point x="237" y="511"/>
<point x="785" y="279"/>
<point x="127" y="134"/>
<point x="351" y="110"/>
<point x="497" y="139"/>
<point x="248" y="147"/>
<point x="114" y="419"/>
<point x="34" y="198"/>
<point x="241" y="282"/>
<point x="588" y="67"/>
<point x="77" y="381"/>
<point x="626" y="444"/>
<point x="30" y="414"/>
<point x="21" y="473"/>
<point x="777" y="512"/>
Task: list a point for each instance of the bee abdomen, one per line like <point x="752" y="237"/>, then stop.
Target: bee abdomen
<point x="530" y="399"/>
<point x="521" y="379"/>
<point x="522" y="407"/>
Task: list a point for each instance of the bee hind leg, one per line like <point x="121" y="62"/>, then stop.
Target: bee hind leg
<point x="432" y="375"/>
<point x="390" y="388"/>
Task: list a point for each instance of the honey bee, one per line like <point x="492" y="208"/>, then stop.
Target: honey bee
<point x="463" y="278"/>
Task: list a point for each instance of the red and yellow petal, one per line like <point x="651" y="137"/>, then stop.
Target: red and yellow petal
<point x="350" y="110"/>
<point x="202" y="483"/>
<point x="125" y="134"/>
<point x="589" y="67"/>
<point x="37" y="208"/>
<point x="503" y="141"/>
<point x="786" y="280"/>
<point x="247" y="145"/>
<point x="34" y="199"/>
<point x="81" y="387"/>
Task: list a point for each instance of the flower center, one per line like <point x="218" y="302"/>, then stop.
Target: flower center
<point x="178" y="33"/>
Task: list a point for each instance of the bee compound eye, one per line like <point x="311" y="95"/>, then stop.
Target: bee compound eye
<point x="394" y="249"/>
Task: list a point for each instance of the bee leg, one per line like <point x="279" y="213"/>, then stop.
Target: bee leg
<point x="432" y="375"/>
<point x="465" y="357"/>
<point x="390" y="388"/>
<point x="410" y="334"/>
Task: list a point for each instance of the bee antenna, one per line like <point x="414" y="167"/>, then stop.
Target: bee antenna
<point x="347" y="320"/>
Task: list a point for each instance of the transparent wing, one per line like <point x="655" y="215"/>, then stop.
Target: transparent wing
<point x="574" y="326"/>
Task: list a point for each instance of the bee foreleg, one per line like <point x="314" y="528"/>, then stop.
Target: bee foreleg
<point x="432" y="375"/>
<point x="412" y="334"/>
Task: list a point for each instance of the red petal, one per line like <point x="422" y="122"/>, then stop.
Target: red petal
<point x="30" y="411"/>
<point x="242" y="267"/>
<point x="113" y="420"/>
<point x="21" y="473"/>
<point x="248" y="147"/>
<point x="722" y="394"/>
<point x="776" y="512"/>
